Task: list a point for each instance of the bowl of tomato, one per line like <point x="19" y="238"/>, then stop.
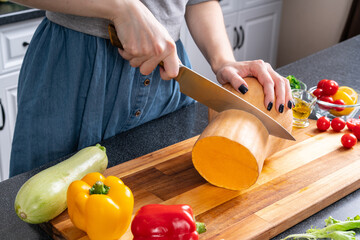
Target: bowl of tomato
<point x="334" y="100"/>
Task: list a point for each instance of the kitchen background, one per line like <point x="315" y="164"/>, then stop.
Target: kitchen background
<point x="277" y="31"/>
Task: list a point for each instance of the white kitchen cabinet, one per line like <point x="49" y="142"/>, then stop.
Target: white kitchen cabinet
<point x="8" y="93"/>
<point x="252" y="27"/>
<point x="258" y="30"/>
<point x="14" y="39"/>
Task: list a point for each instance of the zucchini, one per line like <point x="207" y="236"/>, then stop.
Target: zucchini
<point x="43" y="196"/>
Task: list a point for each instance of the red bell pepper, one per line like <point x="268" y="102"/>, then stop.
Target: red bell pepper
<point x="166" y="222"/>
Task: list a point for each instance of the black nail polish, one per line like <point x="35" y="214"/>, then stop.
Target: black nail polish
<point x="290" y="104"/>
<point x="269" y="107"/>
<point x="281" y="108"/>
<point x="243" y="89"/>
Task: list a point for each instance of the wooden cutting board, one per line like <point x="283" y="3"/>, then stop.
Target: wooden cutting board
<point x="296" y="182"/>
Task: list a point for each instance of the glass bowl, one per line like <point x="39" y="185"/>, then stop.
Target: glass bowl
<point x="328" y="109"/>
<point x="303" y="86"/>
<point x="304" y="104"/>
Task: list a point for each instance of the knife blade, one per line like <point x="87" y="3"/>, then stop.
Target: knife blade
<point x="213" y="95"/>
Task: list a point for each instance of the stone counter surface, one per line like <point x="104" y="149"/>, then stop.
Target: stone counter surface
<point x="340" y="62"/>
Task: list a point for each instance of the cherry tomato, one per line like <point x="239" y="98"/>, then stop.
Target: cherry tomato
<point x="352" y="122"/>
<point x="321" y="83"/>
<point x="330" y="87"/>
<point x="318" y="92"/>
<point x="338" y="124"/>
<point x="356" y="131"/>
<point x="339" y="102"/>
<point x="323" y="123"/>
<point x="348" y="140"/>
<point x="325" y="99"/>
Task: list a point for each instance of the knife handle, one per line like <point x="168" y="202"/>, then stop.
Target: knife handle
<point x="115" y="41"/>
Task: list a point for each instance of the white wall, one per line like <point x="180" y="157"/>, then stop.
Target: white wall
<point x="308" y="26"/>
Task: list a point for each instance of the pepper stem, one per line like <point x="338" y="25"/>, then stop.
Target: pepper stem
<point x="200" y="227"/>
<point x="99" y="188"/>
<point x="102" y="148"/>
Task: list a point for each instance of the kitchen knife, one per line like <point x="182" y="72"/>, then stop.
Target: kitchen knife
<point x="213" y="95"/>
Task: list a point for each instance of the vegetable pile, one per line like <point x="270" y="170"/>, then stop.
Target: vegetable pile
<point x="334" y="229"/>
<point x="100" y="206"/>
<point x="43" y="196"/>
<point x="329" y="91"/>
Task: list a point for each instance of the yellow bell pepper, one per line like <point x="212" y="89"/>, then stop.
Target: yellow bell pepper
<point x="102" y="207"/>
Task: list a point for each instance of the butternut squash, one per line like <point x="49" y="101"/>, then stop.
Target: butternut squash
<point x="231" y="151"/>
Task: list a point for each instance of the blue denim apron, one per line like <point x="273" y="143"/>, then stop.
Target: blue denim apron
<point x="76" y="90"/>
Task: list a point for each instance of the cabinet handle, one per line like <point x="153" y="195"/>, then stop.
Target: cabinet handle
<point x="237" y="38"/>
<point x="3" y="115"/>
<point x="25" y="44"/>
<point x="242" y="37"/>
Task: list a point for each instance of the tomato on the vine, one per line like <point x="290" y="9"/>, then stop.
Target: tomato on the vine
<point x="352" y="122"/>
<point x="323" y="123"/>
<point x="338" y="124"/>
<point x="348" y="140"/>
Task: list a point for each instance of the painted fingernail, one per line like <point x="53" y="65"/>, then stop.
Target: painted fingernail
<point x="281" y="108"/>
<point x="290" y="104"/>
<point x="269" y="107"/>
<point x="243" y="89"/>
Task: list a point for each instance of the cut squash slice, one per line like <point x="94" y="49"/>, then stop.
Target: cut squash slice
<point x="231" y="151"/>
<point x="228" y="158"/>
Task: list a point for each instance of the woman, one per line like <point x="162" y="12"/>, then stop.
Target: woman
<point x="76" y="89"/>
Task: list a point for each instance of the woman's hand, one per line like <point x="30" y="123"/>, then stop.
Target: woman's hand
<point x="206" y="24"/>
<point x="146" y="42"/>
<point x="272" y="82"/>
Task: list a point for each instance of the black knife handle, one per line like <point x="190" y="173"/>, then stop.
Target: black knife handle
<point x="115" y="41"/>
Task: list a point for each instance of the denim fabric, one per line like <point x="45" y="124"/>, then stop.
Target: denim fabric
<point x="76" y="90"/>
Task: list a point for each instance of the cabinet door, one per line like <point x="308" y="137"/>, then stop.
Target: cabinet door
<point x="259" y="27"/>
<point x="14" y="39"/>
<point x="8" y="97"/>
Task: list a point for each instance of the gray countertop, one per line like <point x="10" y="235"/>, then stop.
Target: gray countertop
<point x="340" y="62"/>
<point x="12" y="13"/>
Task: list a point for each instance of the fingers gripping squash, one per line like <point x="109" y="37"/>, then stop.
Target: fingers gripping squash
<point x="231" y="150"/>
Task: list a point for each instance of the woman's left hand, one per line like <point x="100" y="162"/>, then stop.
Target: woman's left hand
<point x="273" y="83"/>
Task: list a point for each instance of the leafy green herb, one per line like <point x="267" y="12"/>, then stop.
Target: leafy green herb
<point x="335" y="230"/>
<point x="294" y="82"/>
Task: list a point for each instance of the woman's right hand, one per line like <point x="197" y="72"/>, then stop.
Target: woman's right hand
<point x="146" y="42"/>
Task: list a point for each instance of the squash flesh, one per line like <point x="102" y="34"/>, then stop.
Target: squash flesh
<point x="230" y="151"/>
<point x="225" y="163"/>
